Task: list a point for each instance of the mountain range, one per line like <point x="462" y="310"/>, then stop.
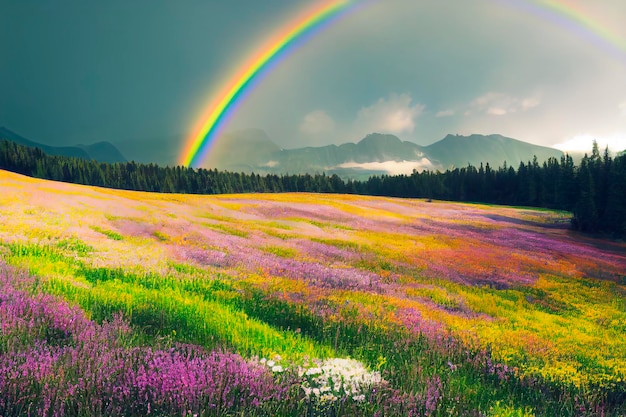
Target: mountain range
<point x="252" y="150"/>
<point x="100" y="151"/>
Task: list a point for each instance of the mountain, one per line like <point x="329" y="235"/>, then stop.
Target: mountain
<point x="103" y="152"/>
<point x="374" y="148"/>
<point x="458" y="151"/>
<point x="245" y="150"/>
<point x="163" y="149"/>
<point x="50" y="150"/>
<point x="253" y="151"/>
<point x="100" y="151"/>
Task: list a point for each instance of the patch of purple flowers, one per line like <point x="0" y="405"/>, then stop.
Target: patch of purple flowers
<point x="56" y="362"/>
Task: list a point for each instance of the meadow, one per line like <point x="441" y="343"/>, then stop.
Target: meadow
<point x="121" y="303"/>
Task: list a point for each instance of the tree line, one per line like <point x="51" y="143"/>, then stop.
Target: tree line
<point x="594" y="191"/>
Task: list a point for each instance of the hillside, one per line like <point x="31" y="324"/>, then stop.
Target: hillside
<point x="595" y="191"/>
<point x="256" y="301"/>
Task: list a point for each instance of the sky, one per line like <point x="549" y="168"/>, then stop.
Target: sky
<point x="141" y="73"/>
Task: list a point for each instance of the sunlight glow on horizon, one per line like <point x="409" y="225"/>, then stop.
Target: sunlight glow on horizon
<point x="583" y="143"/>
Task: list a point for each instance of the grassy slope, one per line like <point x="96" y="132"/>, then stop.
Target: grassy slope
<point x="278" y="275"/>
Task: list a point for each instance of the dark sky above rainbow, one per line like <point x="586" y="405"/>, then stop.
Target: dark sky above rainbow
<point x="153" y="71"/>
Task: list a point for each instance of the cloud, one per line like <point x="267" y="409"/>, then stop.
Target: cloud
<point x="393" y="167"/>
<point x="530" y="102"/>
<point x="486" y="99"/>
<point x="445" y="113"/>
<point x="622" y="108"/>
<point x="317" y="122"/>
<point x="499" y="104"/>
<point x="584" y="143"/>
<point x="496" y="111"/>
<point x="396" y="114"/>
<point x="270" y="164"/>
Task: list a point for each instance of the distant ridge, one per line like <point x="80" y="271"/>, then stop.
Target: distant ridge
<point x="253" y="151"/>
<point x="459" y="151"/>
<point x="100" y="151"/>
<point x="103" y="152"/>
<point x="244" y="150"/>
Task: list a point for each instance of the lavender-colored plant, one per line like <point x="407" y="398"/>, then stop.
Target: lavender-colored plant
<point x="56" y="362"/>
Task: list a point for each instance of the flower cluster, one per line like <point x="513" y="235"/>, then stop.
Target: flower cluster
<point x="272" y="364"/>
<point x="337" y="378"/>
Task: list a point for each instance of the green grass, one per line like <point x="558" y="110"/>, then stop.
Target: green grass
<point x="192" y="310"/>
<point x="339" y="243"/>
<point x="108" y="233"/>
<point x="75" y="245"/>
<point x="162" y="237"/>
<point x="280" y="251"/>
<point x="322" y="225"/>
<point x="226" y="229"/>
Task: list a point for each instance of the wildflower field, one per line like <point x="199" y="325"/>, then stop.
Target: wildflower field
<point x="120" y="303"/>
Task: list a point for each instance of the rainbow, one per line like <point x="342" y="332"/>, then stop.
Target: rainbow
<point x="571" y="17"/>
<point x="562" y="13"/>
<point x="240" y="85"/>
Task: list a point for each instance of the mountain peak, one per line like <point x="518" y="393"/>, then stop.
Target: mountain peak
<point x="458" y="150"/>
<point x="474" y="136"/>
<point x="379" y="140"/>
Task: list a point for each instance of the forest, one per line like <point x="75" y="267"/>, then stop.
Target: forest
<point x="594" y="191"/>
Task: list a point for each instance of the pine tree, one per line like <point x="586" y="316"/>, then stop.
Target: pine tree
<point x="585" y="212"/>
